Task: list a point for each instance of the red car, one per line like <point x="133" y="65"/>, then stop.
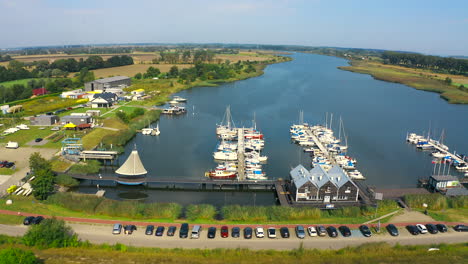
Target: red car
<point x="224" y="231"/>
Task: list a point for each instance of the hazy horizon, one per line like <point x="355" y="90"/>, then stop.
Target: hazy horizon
<point x="428" y="27"/>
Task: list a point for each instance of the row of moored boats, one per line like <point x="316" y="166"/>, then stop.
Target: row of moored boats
<point x="324" y="148"/>
<point x="238" y="149"/>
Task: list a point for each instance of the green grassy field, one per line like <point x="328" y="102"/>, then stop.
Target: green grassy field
<point x="371" y="253"/>
<point x="26" y="136"/>
<point x="413" y="78"/>
<point x="6" y="171"/>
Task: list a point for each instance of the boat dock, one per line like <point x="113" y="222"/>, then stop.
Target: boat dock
<point x="319" y="144"/>
<point x="240" y="155"/>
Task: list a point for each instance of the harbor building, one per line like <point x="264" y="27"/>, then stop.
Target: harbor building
<point x="106" y="83"/>
<point x="443" y="182"/>
<point x="320" y="186"/>
<point x="132" y="172"/>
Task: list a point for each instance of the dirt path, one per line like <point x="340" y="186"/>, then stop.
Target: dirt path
<point x="411" y="216"/>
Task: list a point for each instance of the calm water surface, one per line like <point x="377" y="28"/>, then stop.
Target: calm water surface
<point x="376" y="116"/>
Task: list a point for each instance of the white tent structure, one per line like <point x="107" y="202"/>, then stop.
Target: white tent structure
<point x="133" y="172"/>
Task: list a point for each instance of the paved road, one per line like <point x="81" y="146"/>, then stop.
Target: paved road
<point x="102" y="234"/>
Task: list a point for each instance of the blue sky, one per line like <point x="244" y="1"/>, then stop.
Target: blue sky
<point x="432" y="27"/>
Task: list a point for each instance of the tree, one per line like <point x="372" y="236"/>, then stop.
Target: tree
<point x="43" y="184"/>
<point x="448" y="81"/>
<point x="17" y="256"/>
<point x="49" y="234"/>
<point x="138" y="76"/>
<point x="122" y="116"/>
<point x="85" y="76"/>
<point x="152" y="72"/>
<point x="173" y="72"/>
<point x="37" y="162"/>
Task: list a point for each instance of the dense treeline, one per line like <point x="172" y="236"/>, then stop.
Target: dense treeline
<point x="5" y="58"/>
<point x="434" y="63"/>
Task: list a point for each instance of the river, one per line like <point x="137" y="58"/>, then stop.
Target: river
<point x="376" y="116"/>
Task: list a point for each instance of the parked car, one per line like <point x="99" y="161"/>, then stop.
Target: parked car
<point x="171" y="230"/>
<point x="224" y="231"/>
<point x="300" y="232"/>
<point x="332" y="232"/>
<point x="196" y="230"/>
<point x="9" y="164"/>
<point x="28" y="220"/>
<point x="38" y="140"/>
<point x="422" y="229"/>
<point x="184" y="229"/>
<point x="365" y="230"/>
<point x="312" y="231"/>
<point x="271" y="232"/>
<point x="37" y="220"/>
<point x="345" y="231"/>
<point x="442" y="228"/>
<point x="149" y="230"/>
<point x="248" y="233"/>
<point x="235" y="232"/>
<point x="284" y="231"/>
<point x="461" y="228"/>
<point x="432" y="228"/>
<point x="412" y="229"/>
<point x="212" y="232"/>
<point x="391" y="228"/>
<point x="159" y="231"/>
<point x="259" y="232"/>
<point x="128" y="229"/>
<point x="117" y="229"/>
<point x="321" y="230"/>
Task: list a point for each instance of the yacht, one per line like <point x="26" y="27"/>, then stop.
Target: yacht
<point x="221" y="174"/>
<point x="179" y="99"/>
<point x="225" y="155"/>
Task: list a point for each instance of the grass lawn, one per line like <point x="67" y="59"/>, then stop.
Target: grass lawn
<point x="95" y="137"/>
<point x="419" y="79"/>
<point x="6" y="171"/>
<point x="450" y="215"/>
<point x="59" y="165"/>
<point x="25" y="136"/>
<point x="127" y="109"/>
<point x="11" y="219"/>
<point x="83" y="110"/>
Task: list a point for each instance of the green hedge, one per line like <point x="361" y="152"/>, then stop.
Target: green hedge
<point x="200" y="211"/>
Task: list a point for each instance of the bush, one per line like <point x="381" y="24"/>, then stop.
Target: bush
<point x="90" y="167"/>
<point x="200" y="211"/>
<point x="434" y="201"/>
<point x="77" y="202"/>
<point x="17" y="256"/>
<point x="50" y="233"/>
<point x="66" y="180"/>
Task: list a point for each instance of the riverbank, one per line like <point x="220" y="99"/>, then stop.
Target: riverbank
<point x="419" y="79"/>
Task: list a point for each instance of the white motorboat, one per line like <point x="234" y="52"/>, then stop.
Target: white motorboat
<point x="256" y="155"/>
<point x="356" y="175"/>
<point x="173" y="102"/>
<point x="179" y="99"/>
<point x="146" y="131"/>
<point x="155" y="131"/>
<point x="227" y="145"/>
<point x="439" y="154"/>
<point x="225" y="155"/>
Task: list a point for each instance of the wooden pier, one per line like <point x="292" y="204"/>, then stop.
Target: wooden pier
<point x="240" y="155"/>
<point x="319" y="144"/>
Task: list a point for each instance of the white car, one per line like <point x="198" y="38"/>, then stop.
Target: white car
<point x="312" y="231"/>
<point x="259" y="232"/>
<point x="271" y="232"/>
<point x="422" y="229"/>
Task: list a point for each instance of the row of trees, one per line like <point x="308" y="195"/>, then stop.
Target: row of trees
<point x="185" y="56"/>
<point x="434" y="63"/>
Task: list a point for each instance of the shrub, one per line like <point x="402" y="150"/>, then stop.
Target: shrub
<point x="17" y="256"/>
<point x="77" y="202"/>
<point x="200" y="211"/>
<point x="66" y="180"/>
<point x="91" y="166"/>
<point x="50" y="233"/>
<point x="434" y="201"/>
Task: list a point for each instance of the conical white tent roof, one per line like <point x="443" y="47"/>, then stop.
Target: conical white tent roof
<point x="132" y="166"/>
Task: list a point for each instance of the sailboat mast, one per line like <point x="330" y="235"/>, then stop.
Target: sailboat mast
<point x="331" y="120"/>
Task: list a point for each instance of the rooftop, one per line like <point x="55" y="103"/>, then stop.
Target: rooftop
<point x="112" y="79"/>
<point x="444" y="178"/>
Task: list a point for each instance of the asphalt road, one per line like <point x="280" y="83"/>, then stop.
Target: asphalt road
<point x="99" y="234"/>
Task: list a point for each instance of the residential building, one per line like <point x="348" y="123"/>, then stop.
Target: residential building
<point x="39" y="91"/>
<point x="44" y="120"/>
<point x="76" y="119"/>
<point x="75" y="94"/>
<point x="106" y="83"/>
<point x="103" y="100"/>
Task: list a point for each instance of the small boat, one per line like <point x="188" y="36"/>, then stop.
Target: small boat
<point x="225" y="155"/>
<point x="439" y="154"/>
<point x="146" y="131"/>
<point x="155" y="131"/>
<point x="174" y="110"/>
<point x="221" y="174"/>
<point x="256" y="155"/>
<point x="179" y="99"/>
<point x="227" y="145"/>
<point x="173" y="102"/>
<point x="462" y="167"/>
